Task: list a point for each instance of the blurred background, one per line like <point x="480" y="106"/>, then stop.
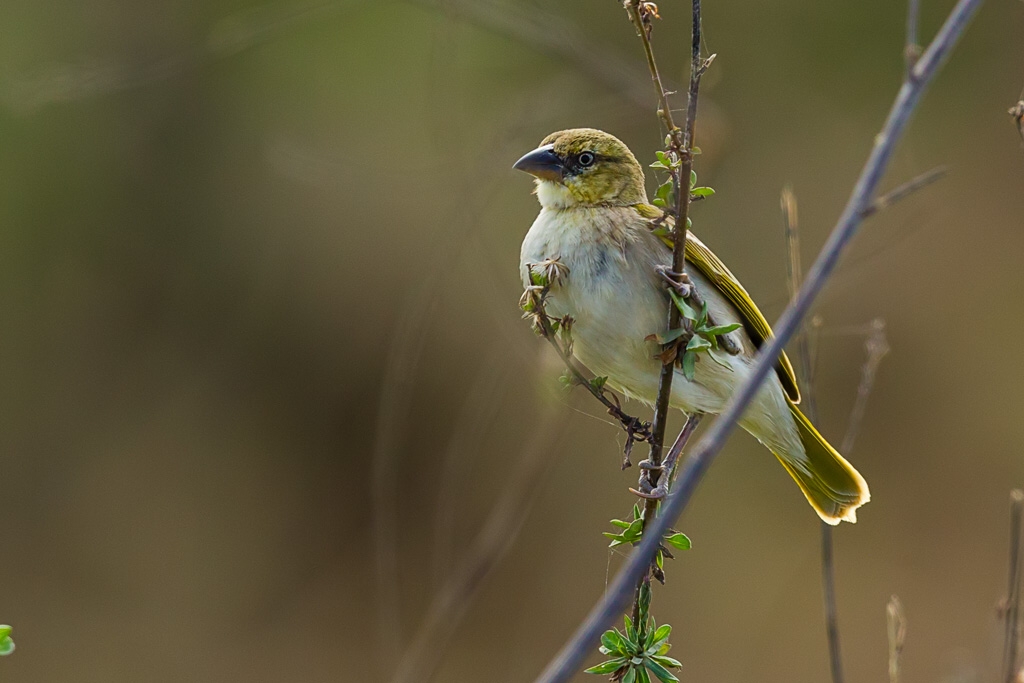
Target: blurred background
<point x="264" y="378"/>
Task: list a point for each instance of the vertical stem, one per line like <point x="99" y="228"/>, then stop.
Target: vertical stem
<point x="683" y="148"/>
<point x="828" y="572"/>
<point x="1013" y="590"/>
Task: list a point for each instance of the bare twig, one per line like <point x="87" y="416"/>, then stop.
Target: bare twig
<point x="564" y="665"/>
<point x="549" y="33"/>
<point x="500" y="530"/>
<point x="642" y="14"/>
<point x="533" y="302"/>
<point x="1010" y="645"/>
<point x="876" y="346"/>
<point x="828" y="572"/>
<point x="1017" y="112"/>
<point x="896" y="628"/>
<point x="912" y="51"/>
<point x="905" y="190"/>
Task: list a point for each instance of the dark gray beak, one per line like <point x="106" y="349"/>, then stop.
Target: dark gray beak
<point x="542" y="163"/>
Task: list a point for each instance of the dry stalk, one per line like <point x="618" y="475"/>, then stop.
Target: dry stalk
<point x="1013" y="593"/>
<point x="896" y="628"/>
<point x="680" y="143"/>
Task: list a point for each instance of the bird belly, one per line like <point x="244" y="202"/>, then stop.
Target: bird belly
<point x="617" y="302"/>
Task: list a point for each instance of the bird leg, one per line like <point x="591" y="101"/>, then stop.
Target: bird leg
<point x="679" y="282"/>
<point x="647" y="490"/>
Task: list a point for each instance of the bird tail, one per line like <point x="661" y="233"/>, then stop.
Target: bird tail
<point x="832" y="486"/>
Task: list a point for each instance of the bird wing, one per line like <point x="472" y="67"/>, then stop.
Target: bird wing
<point x="722" y="278"/>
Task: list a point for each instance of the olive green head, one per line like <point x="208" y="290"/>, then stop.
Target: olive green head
<point x="584" y="166"/>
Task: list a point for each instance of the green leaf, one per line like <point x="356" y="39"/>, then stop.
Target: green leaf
<point x="663" y="674"/>
<point x="630" y="676"/>
<point x="695" y="150"/>
<point x="697" y="344"/>
<point x="634" y="531"/>
<point x="659" y="559"/>
<point x="719" y="362"/>
<point x="598" y="383"/>
<point x="718" y="330"/>
<point x="689" y="365"/>
<point x="693" y="178"/>
<point x="702" y="192"/>
<point x="662" y="634"/>
<point x="613" y="641"/>
<point x="611" y="666"/>
<point x="641" y="675"/>
<point x="630" y="633"/>
<point x="702" y="320"/>
<point x="619" y="523"/>
<point x="637" y="514"/>
<point x="661" y="196"/>
<point x="679" y="540"/>
<point x="667" y="661"/>
<point x="645" y="602"/>
<point x="671" y="335"/>
<point x="683" y="307"/>
<point x="538" y="279"/>
<point x="6" y="644"/>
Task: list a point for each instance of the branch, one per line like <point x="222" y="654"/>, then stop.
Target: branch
<point x="912" y="52"/>
<point x="896" y="627"/>
<point x="419" y="661"/>
<point x="828" y="566"/>
<point x="1017" y="112"/>
<point x="533" y="303"/>
<point x="1013" y="591"/>
<point x="642" y="15"/>
<point x="568" y="660"/>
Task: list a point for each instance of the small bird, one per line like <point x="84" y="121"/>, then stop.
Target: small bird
<point x="596" y="224"/>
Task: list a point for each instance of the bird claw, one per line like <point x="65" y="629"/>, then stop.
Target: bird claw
<point x="657" y="493"/>
<point x="678" y="282"/>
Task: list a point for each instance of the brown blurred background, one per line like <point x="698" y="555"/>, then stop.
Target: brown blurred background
<point x="249" y="250"/>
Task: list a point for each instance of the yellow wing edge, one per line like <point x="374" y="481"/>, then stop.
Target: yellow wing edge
<point x="705" y="260"/>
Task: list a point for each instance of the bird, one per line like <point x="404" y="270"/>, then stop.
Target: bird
<point x="612" y="261"/>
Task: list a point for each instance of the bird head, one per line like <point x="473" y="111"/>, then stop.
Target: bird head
<point x="584" y="167"/>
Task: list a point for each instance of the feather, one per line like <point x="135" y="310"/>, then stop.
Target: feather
<point x="702" y="258"/>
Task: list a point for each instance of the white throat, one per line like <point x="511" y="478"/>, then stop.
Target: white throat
<point x="552" y="195"/>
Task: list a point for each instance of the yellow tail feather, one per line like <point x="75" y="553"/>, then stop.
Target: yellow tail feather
<point x="832" y="486"/>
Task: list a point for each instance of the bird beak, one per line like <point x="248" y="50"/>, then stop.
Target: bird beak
<point x="542" y="163"/>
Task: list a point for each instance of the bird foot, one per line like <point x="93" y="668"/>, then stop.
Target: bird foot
<point x="659" y="492"/>
<point x="678" y="282"/>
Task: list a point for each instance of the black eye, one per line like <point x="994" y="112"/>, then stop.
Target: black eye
<point x="586" y="159"/>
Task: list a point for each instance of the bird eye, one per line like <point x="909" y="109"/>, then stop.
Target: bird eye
<point x="586" y="159"/>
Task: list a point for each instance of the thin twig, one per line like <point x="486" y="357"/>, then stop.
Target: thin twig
<point x="828" y="571"/>
<point x="567" y="661"/>
<point x="533" y="302"/>
<point x="876" y="346"/>
<point x="912" y="52"/>
<point x="681" y="142"/>
<point x="1017" y="112"/>
<point x="1010" y="645"/>
<point x="905" y="190"/>
<point x="419" y="661"/>
<point x="896" y="628"/>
